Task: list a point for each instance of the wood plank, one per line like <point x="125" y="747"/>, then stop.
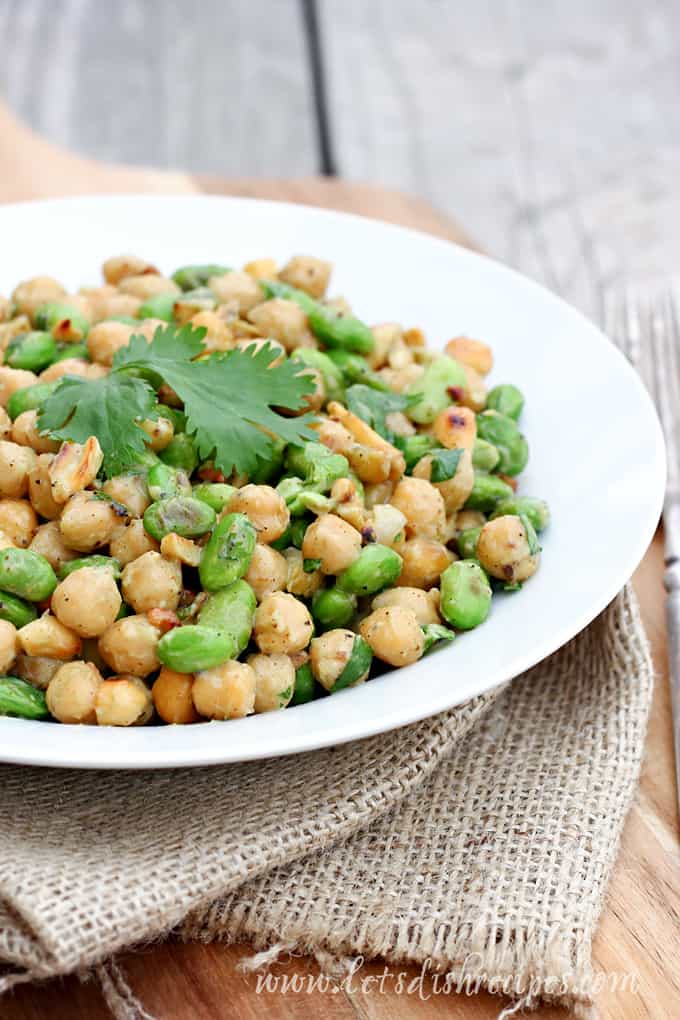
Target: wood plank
<point x="554" y="138"/>
<point x="220" y="86"/>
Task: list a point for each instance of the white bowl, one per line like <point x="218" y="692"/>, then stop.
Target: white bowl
<point x="597" y="453"/>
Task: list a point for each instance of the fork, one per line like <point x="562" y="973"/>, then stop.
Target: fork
<point x="647" y="331"/>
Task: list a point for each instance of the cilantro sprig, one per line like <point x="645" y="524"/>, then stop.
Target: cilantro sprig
<point x="229" y="400"/>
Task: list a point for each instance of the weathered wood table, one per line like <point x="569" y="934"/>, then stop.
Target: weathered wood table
<point x="640" y="929"/>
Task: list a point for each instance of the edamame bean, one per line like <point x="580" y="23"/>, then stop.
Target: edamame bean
<point x="228" y="552"/>
<point x="158" y="306"/>
<point x="376" y="567"/>
<point x="485" y="456"/>
<point x="270" y="468"/>
<point x="194" y="647"/>
<point x="537" y="510"/>
<point x="63" y="321"/>
<point x="230" y="611"/>
<point x="331" y="327"/>
<point x="357" y="666"/>
<point x="434" y="633"/>
<point x="331" y="374"/>
<point x="467" y="543"/>
<point x="506" y="399"/>
<point x="31" y="351"/>
<point x="16" y="611"/>
<point x="65" y="351"/>
<point x="318" y="466"/>
<point x="215" y="494"/>
<point x="30" y="397"/>
<point x="173" y="414"/>
<point x="293" y="535"/>
<point x="181" y="453"/>
<point x="22" y="700"/>
<point x="304" y="685"/>
<point x="190" y="277"/>
<point x="109" y="562"/>
<point x="503" y="432"/>
<point x="356" y="369"/>
<point x="442" y="376"/>
<point x="184" y="515"/>
<point x="465" y="595"/>
<point x="164" y="482"/>
<point x="191" y="302"/>
<point x="332" y="607"/>
<point x="487" y="490"/>
<point x="26" y="574"/>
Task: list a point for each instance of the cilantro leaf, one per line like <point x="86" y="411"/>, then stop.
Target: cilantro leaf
<point x="444" y="464"/>
<point x="105" y="408"/>
<point x="229" y="400"/>
<point x="373" y="407"/>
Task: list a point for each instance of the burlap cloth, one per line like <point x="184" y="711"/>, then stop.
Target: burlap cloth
<point x="479" y="842"/>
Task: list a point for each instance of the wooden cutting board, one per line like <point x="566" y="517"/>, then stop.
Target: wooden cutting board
<point x="640" y="930"/>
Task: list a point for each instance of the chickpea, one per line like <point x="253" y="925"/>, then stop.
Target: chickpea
<point x="74" y="468"/>
<point x="238" y="287"/>
<point x="274" y="681"/>
<point x="9" y="646"/>
<point x="471" y="352"/>
<point x="87" y="601"/>
<point x="466" y="519"/>
<point x="73" y="366"/>
<point x="48" y="637"/>
<point x="106" y="338"/>
<point x="152" y="582"/>
<point x="401" y="379"/>
<point x="307" y="273"/>
<point x="172" y="699"/>
<point x="72" y="692"/>
<point x="381" y="493"/>
<point x="13" y="379"/>
<point x="160" y="432"/>
<point x="18" y="520"/>
<point x="474" y="395"/>
<point x="424" y="604"/>
<point x="422" y="563"/>
<point x="49" y="542"/>
<point x="423" y="507"/>
<point x="111" y="305"/>
<point x="282" y="624"/>
<point x="503" y="549"/>
<point x="333" y="435"/>
<point x="15" y="327"/>
<point x="118" y="267"/>
<point x="131" y="491"/>
<point x="268" y="571"/>
<point x="219" y="335"/>
<point x="261" y="269"/>
<point x="123" y="700"/>
<point x="38" y="670"/>
<point x="130" y="541"/>
<point x="264" y="508"/>
<point x="330" y="653"/>
<point x="372" y="466"/>
<point x="5" y="425"/>
<point x="387" y="525"/>
<point x="456" y="427"/>
<point x="281" y="319"/>
<point x="25" y="432"/>
<point x="31" y="294"/>
<point x="226" y="691"/>
<point x="40" y="488"/>
<point x="15" y="463"/>
<point x="147" y="285"/>
<point x="129" y="645"/>
<point x="454" y="490"/>
<point x="6" y="542"/>
<point x="333" y="541"/>
<point x="299" y="581"/>
<point x="87" y="522"/>
<point x="394" y="635"/>
<point x="174" y="547"/>
<point x="384" y="335"/>
<point x="314" y="400"/>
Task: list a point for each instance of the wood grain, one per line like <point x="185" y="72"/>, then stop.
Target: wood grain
<point x="553" y="137"/>
<point x="639" y="930"/>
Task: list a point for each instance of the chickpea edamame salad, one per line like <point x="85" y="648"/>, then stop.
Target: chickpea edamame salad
<point x="222" y="493"/>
